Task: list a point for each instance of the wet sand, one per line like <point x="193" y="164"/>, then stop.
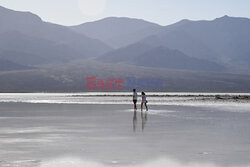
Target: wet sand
<point x="113" y="135"/>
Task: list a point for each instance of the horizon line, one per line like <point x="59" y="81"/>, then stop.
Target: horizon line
<point x="135" y="18"/>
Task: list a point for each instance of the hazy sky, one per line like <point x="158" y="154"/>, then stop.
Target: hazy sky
<point x="164" y="12"/>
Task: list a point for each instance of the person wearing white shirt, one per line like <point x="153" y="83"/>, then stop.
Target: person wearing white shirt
<point x="144" y="101"/>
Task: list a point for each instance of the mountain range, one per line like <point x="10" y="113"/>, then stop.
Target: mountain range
<point x="118" y="31"/>
<point x="23" y="33"/>
<point x="209" y="48"/>
<point x="224" y="40"/>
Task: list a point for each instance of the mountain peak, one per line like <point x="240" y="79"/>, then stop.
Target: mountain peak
<point x="10" y="14"/>
<point x="180" y="23"/>
<point x="226" y="17"/>
<point x="118" y="20"/>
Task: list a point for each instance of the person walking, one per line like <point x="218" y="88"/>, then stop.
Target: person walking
<point x="135" y="98"/>
<point x="144" y="101"/>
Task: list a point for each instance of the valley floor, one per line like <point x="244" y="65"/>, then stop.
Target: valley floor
<point x="177" y="131"/>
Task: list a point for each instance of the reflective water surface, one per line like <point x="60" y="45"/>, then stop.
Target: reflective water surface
<point x="48" y="130"/>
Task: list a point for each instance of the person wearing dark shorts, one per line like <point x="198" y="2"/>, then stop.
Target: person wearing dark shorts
<point x="135" y="98"/>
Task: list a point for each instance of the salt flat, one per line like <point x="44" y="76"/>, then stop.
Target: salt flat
<point x="176" y="131"/>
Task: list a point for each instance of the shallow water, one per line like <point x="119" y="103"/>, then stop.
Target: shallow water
<point x="47" y="130"/>
<point x="155" y="98"/>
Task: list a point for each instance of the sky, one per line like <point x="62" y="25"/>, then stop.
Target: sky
<point x="163" y="12"/>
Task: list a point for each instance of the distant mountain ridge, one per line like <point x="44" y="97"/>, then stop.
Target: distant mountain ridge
<point x="142" y="54"/>
<point x="6" y="65"/>
<point x="190" y="55"/>
<point x="163" y="57"/>
<point x="224" y="41"/>
<point x="118" y="31"/>
<point x="73" y="44"/>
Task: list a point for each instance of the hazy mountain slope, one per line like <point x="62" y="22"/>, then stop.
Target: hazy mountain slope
<point x="227" y="36"/>
<point x="142" y="54"/>
<point x="118" y="32"/>
<point x="24" y="58"/>
<point x="162" y="57"/>
<point x="125" y="54"/>
<point x="184" y="42"/>
<point x="177" y="24"/>
<point x="225" y="40"/>
<point x="31" y="25"/>
<point x="27" y="50"/>
<point x="70" y="78"/>
<point x="6" y="65"/>
<point x="25" y="40"/>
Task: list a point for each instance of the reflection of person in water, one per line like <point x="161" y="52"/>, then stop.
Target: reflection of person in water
<point x="144" y="118"/>
<point x="144" y="101"/>
<point x="134" y="120"/>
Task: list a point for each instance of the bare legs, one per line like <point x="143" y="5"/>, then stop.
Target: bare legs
<point x="135" y="108"/>
<point x="145" y="106"/>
